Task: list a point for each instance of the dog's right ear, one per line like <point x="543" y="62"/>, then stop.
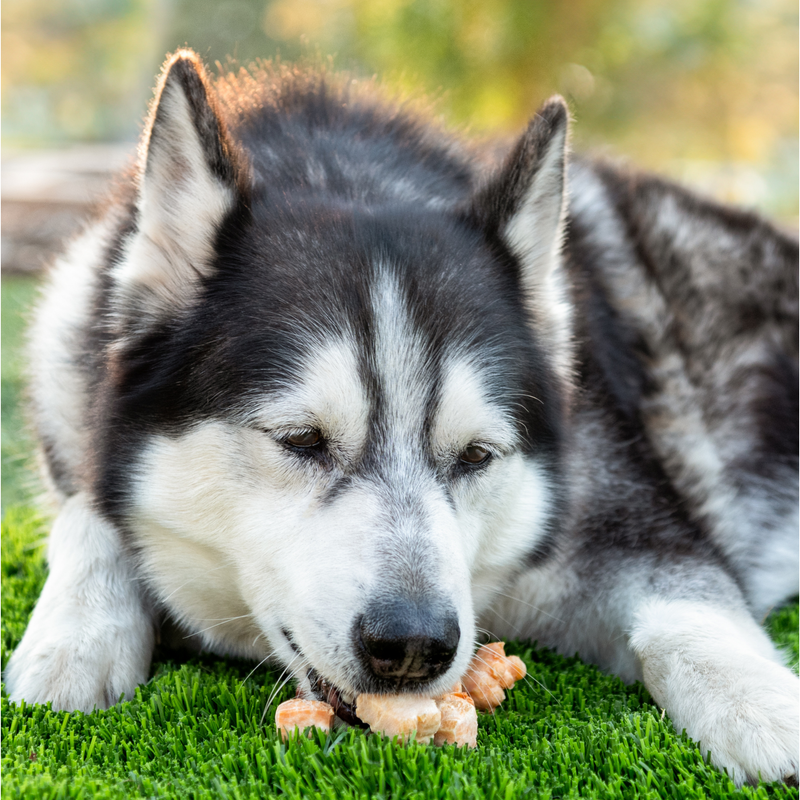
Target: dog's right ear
<point x="191" y="176"/>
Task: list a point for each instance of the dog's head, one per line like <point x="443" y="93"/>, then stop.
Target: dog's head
<point x="333" y="414"/>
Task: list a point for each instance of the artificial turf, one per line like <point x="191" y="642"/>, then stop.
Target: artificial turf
<point x="195" y="729"/>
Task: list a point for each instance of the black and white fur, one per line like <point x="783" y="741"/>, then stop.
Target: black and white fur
<point x="294" y="258"/>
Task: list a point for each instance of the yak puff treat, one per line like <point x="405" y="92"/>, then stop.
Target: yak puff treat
<point x="490" y="672"/>
<point x="449" y="719"/>
<point x="299" y="714"/>
<point x="400" y="715"/>
<point x="459" y="723"/>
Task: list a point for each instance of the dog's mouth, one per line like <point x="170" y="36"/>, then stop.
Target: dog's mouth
<point x="343" y="702"/>
<point x="322" y="690"/>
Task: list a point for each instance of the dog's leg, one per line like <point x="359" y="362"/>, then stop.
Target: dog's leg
<point x="721" y="679"/>
<point x="685" y="630"/>
<point x="90" y="638"/>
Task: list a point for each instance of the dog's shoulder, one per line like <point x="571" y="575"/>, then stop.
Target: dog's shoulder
<point x="687" y="322"/>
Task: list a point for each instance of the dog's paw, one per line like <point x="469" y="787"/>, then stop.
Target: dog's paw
<point x="747" y="718"/>
<point x="724" y="687"/>
<point x="80" y="658"/>
<point x="74" y="675"/>
<point x="90" y="637"/>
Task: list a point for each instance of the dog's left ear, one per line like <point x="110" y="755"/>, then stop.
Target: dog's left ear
<point x="191" y="176"/>
<point x="524" y="205"/>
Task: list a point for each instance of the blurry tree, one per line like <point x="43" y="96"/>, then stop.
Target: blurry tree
<point x="76" y="69"/>
<point x="225" y="28"/>
<point x="704" y="89"/>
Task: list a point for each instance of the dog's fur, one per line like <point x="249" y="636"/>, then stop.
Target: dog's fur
<point x="295" y="258"/>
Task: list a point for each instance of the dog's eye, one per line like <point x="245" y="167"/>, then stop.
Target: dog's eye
<point x="475" y="455"/>
<point x="304" y="439"/>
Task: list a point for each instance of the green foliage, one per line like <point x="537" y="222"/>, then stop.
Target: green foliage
<point x="784" y="628"/>
<point x="24" y="573"/>
<point x="195" y="731"/>
<point x="77" y="70"/>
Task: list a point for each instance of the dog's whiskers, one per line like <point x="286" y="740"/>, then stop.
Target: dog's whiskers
<point x="520" y="600"/>
<point x="279" y="684"/>
<point x="216" y="625"/>
<point x="491" y="636"/>
<point x="260" y="663"/>
<point x="529" y="678"/>
<point x="515" y="629"/>
<point x="192" y="580"/>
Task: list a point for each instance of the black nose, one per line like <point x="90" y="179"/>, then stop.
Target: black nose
<point x="402" y="641"/>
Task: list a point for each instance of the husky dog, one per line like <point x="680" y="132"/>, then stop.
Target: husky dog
<point x="326" y="386"/>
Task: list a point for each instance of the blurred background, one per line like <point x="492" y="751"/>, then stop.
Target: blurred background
<point x="703" y="90"/>
<point x="706" y="90"/>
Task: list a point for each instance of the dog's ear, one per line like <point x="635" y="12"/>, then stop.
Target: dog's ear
<point x="191" y="175"/>
<point x="524" y="205"/>
<point x="524" y="202"/>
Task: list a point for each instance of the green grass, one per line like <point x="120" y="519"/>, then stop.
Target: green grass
<point x="195" y="729"/>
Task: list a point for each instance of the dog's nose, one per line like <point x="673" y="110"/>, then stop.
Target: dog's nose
<point x="404" y="641"/>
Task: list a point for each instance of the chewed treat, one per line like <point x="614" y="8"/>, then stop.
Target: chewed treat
<point x="507" y="669"/>
<point x="299" y="714"/>
<point x="449" y="719"/>
<point x="459" y="723"/>
<point x="484" y="690"/>
<point x="400" y="715"/>
<point x="489" y="673"/>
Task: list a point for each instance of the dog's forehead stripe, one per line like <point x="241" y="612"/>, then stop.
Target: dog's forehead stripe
<point x="391" y="392"/>
<point x="401" y="364"/>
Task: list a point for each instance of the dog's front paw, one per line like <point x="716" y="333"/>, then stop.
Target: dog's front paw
<point x="74" y="675"/>
<point x="80" y="657"/>
<point x="746" y="716"/>
<point x="723" y="685"/>
<point x="90" y="637"/>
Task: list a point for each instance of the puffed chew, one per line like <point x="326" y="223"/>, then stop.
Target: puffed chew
<point x="484" y="689"/>
<point x="400" y="715"/>
<point x="459" y="723"/>
<point x="489" y="673"/>
<point x="299" y="714"/>
<point x="507" y="669"/>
